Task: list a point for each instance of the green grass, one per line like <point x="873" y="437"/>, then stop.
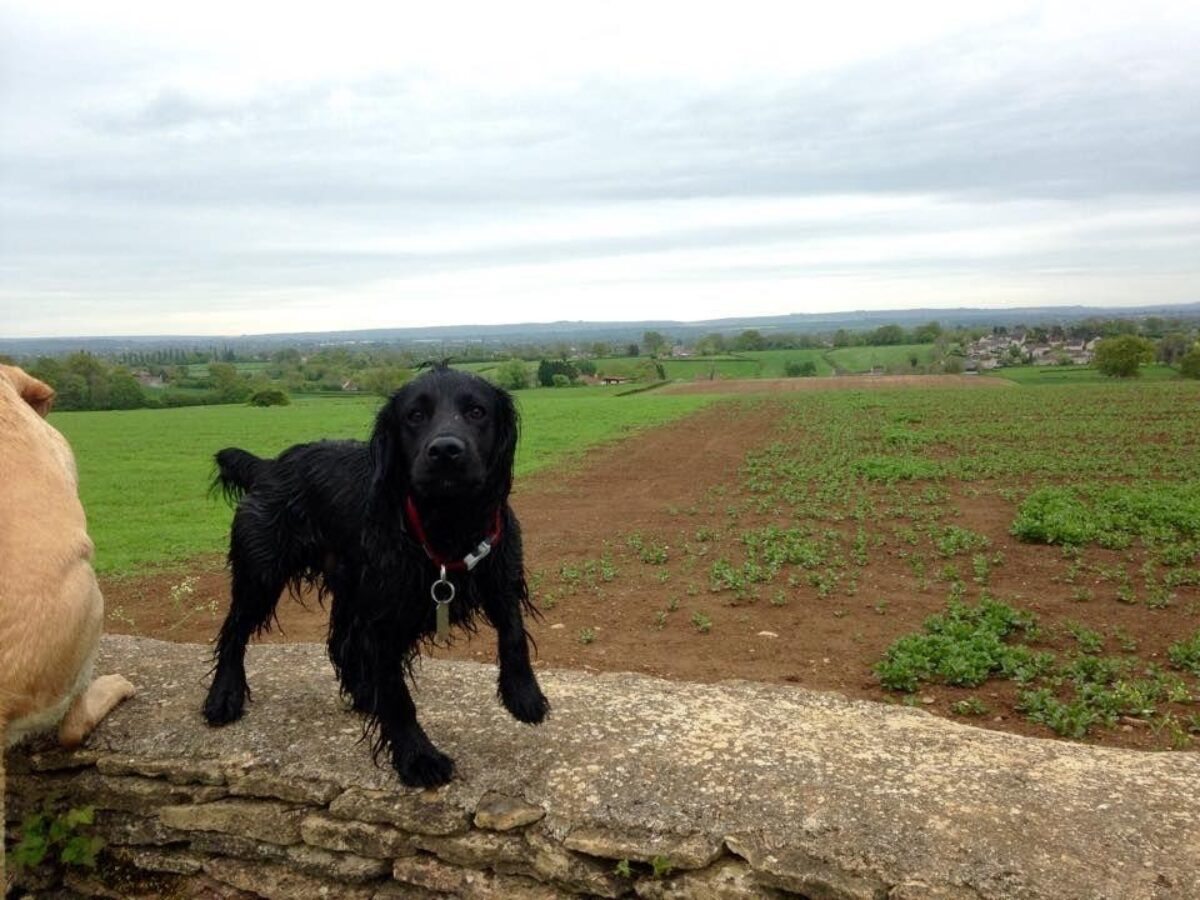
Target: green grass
<point x="749" y="364"/>
<point x="689" y="369"/>
<point x="863" y="359"/>
<point x="758" y="363"/>
<point x="1034" y="375"/>
<point x="144" y="474"/>
<point x="200" y="370"/>
<point x="772" y="362"/>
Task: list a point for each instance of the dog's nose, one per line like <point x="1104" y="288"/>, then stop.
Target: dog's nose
<point x="446" y="449"/>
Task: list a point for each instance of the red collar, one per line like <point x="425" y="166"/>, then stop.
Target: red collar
<point x="469" y="561"/>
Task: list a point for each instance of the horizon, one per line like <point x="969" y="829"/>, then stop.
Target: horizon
<point x="370" y="169"/>
<point x="873" y="319"/>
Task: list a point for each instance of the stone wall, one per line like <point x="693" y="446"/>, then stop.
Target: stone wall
<point x="636" y="786"/>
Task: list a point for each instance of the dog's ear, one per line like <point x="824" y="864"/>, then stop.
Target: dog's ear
<point x="36" y="393"/>
<point x="389" y="484"/>
<point x="505" y="448"/>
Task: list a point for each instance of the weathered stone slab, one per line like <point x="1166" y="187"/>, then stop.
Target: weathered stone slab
<point x="215" y="843"/>
<point x="420" y="812"/>
<point x="140" y="795"/>
<point x="689" y="851"/>
<point x="479" y="850"/>
<point x="727" y="880"/>
<point x="293" y="790"/>
<point x="176" y="771"/>
<point x="801" y="873"/>
<point x="497" y="812"/>
<point x="271" y="823"/>
<point x="396" y="890"/>
<point x="78" y="883"/>
<point x="177" y="862"/>
<point x="276" y="882"/>
<point x="365" y="839"/>
<point x="447" y="880"/>
<point x="919" y="890"/>
<point x="552" y="862"/>
<point x="130" y="829"/>
<point x="56" y="759"/>
<point x="336" y="866"/>
<point x="133" y="794"/>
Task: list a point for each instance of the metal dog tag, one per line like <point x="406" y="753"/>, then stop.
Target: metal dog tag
<point x="443" y="621"/>
<point x="442" y="592"/>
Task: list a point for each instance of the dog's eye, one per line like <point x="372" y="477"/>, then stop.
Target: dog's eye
<point x="476" y="412"/>
<point x="416" y="415"/>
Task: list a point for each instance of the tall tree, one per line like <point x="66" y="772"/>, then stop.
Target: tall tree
<point x="654" y="342"/>
<point x="1123" y="356"/>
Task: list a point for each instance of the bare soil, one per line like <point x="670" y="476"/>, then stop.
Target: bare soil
<point x="831" y="383"/>
<point x="666" y="485"/>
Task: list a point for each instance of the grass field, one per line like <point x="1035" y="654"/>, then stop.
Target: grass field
<point x="144" y="473"/>
<point x="864" y="359"/>
<point x="1077" y="375"/>
<point x="200" y="370"/>
<point x="751" y="364"/>
<point x="772" y="362"/>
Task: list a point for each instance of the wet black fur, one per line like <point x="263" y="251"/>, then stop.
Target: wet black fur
<point x="331" y="514"/>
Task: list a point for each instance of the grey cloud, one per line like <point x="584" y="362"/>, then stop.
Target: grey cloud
<point x="890" y="126"/>
<point x="181" y="187"/>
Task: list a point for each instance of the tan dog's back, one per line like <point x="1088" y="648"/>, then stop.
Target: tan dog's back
<point x="51" y="609"/>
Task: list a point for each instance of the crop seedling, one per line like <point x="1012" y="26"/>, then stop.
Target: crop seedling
<point x="1089" y="641"/>
<point x="1158" y="598"/>
<point x="702" y="623"/>
<point x="1170" y="727"/>
<point x="587" y="635"/>
<point x="972" y="706"/>
<point x="963" y="646"/>
<point x="1186" y="654"/>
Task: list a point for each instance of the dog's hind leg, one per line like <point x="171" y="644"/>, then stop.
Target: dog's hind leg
<point x="91" y="706"/>
<point x="254" y="596"/>
<point x="347" y="651"/>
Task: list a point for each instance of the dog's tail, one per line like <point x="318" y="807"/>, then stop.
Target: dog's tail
<point x="237" y="470"/>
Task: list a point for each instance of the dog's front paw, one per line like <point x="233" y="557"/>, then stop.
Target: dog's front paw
<point x="526" y="702"/>
<point x="423" y="767"/>
<point x="224" y="704"/>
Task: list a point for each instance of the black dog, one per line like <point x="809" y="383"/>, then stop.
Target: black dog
<point x="407" y="536"/>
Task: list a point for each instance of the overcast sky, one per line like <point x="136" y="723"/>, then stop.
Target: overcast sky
<point x="227" y="168"/>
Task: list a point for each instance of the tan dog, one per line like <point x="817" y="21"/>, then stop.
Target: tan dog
<point x="51" y="610"/>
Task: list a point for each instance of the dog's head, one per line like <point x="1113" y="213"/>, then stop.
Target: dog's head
<point x="446" y="436"/>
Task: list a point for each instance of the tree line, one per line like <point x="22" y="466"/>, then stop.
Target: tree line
<point x="175" y="376"/>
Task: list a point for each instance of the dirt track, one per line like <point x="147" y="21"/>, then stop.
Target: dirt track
<point x="832" y="383"/>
